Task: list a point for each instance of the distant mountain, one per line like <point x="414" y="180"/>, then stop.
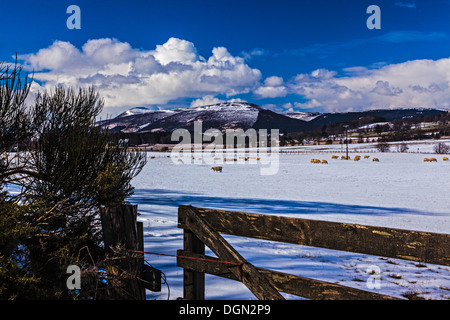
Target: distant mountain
<point x="226" y="115"/>
<point x="386" y="115"/>
<point x="134" y="119"/>
<point x="244" y="115"/>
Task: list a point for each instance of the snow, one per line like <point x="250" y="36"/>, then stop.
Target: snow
<point x="235" y="106"/>
<point x="400" y="191"/>
<point x="305" y="116"/>
<point x="135" y="111"/>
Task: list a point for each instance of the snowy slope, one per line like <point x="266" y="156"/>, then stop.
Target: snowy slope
<point x="222" y="116"/>
<point x="134" y="111"/>
<point x="134" y="119"/>
<point x="305" y="116"/>
<point x="401" y="191"/>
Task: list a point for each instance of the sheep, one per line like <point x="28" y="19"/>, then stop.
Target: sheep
<point x="315" y="161"/>
<point x="433" y="160"/>
<point x="216" y="169"/>
<point x="334" y="157"/>
<point x="324" y="162"/>
<point x="366" y="157"/>
<point x="345" y="158"/>
<point x="445" y="159"/>
<point x="426" y="160"/>
<point x="375" y="159"/>
<point x="357" y="158"/>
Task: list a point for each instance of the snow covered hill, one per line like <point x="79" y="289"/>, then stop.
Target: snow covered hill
<point x="244" y="115"/>
<point x="221" y="116"/>
<point x="226" y="115"/>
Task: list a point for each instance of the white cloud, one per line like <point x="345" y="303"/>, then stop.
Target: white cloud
<point x="271" y="92"/>
<point x="273" y="81"/>
<point x="273" y="87"/>
<point x="417" y="83"/>
<point x="206" y="100"/>
<point x="128" y="77"/>
<point x="176" y="50"/>
<point x="59" y="55"/>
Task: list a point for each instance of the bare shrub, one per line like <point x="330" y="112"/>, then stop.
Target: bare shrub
<point x="441" y="148"/>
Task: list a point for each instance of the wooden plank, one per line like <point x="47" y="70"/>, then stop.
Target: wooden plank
<point x="248" y="274"/>
<point x="288" y="283"/>
<point x="193" y="281"/>
<point x="119" y="226"/>
<point x="380" y="241"/>
<point x="140" y="247"/>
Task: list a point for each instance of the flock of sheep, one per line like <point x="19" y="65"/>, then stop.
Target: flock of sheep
<point x="434" y="159"/>
<point x="356" y="158"/>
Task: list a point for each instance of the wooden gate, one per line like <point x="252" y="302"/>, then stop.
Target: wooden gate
<point x="205" y="226"/>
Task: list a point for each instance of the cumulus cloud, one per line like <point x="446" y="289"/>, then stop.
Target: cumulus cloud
<point x="209" y="99"/>
<point x="127" y="77"/>
<point x="417" y="83"/>
<point x="383" y="88"/>
<point x="273" y="87"/>
<point x="176" y="50"/>
<point x="205" y="101"/>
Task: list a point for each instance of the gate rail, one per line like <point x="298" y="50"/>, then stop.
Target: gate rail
<point x="205" y="226"/>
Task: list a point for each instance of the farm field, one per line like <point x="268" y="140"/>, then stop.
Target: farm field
<point x="399" y="191"/>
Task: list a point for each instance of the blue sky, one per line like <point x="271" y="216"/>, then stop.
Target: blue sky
<point x="284" y="55"/>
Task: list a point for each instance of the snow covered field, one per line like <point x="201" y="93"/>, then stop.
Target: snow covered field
<point x="400" y="191"/>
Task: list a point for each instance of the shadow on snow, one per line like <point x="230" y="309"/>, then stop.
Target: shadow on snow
<point x="172" y="198"/>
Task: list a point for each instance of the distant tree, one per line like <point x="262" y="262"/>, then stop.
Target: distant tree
<point x="383" y="146"/>
<point x="402" y="147"/>
<point x="378" y="129"/>
<point x="441" y="148"/>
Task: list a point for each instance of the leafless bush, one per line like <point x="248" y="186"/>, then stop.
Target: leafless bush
<point x="402" y="147"/>
<point x="441" y="148"/>
<point x="383" y="146"/>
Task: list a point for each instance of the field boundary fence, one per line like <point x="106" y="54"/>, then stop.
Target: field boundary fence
<point x="204" y="227"/>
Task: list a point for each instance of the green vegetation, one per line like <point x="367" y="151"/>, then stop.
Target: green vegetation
<point x="62" y="169"/>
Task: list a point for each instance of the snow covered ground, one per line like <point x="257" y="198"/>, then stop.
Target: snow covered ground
<point x="400" y="191"/>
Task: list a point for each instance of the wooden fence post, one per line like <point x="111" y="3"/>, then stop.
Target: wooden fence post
<point x="249" y="275"/>
<point x="120" y="228"/>
<point x="193" y="281"/>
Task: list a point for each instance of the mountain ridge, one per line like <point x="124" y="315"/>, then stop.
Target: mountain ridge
<point x="245" y="115"/>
